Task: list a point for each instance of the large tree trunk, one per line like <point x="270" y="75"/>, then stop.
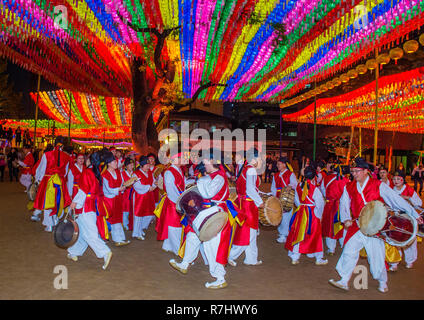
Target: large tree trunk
<point x="144" y="134"/>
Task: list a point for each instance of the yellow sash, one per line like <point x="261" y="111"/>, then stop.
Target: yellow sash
<point x="50" y="199"/>
<point x="159" y="207"/>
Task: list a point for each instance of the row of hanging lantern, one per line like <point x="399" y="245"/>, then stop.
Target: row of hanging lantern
<point x="395" y="54"/>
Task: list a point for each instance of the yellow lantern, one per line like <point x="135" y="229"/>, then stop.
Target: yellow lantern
<point x="421" y="39"/>
<point x="383" y="59"/>
<point x="323" y="87"/>
<point x="352" y="74"/>
<point x="361" y="68"/>
<point x="330" y="85"/>
<point x="344" y="77"/>
<point x="371" y="64"/>
<point x="396" y="54"/>
<point x="410" y="46"/>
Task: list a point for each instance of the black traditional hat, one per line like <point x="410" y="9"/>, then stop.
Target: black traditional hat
<point x="360" y="163"/>
<point x="309" y="172"/>
<point x="107" y="156"/>
<point x="286" y="161"/>
<point x="128" y="161"/>
<point x="143" y="160"/>
<point x="60" y="140"/>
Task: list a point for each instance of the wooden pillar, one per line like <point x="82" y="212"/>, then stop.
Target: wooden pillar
<point x="36" y="109"/>
<point x="70" y="115"/>
<point x="315" y="125"/>
<point x="377" y="71"/>
<point x="352" y="130"/>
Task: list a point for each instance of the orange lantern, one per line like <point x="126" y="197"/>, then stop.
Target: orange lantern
<point x="421" y="39"/>
<point x="362" y="68"/>
<point x="371" y="64"/>
<point x="352" y="74"/>
<point x="383" y="59"/>
<point x="396" y="54"/>
<point x="337" y="81"/>
<point x="344" y="78"/>
<point x="410" y="46"/>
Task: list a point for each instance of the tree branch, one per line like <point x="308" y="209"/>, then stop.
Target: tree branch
<point x="197" y="93"/>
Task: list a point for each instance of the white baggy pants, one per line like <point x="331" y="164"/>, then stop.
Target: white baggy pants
<point x="283" y="228"/>
<point x="375" y="254"/>
<point x="88" y="237"/>
<point x="117" y="232"/>
<point x="251" y="250"/>
<point x="172" y="243"/>
<point x="140" y="224"/>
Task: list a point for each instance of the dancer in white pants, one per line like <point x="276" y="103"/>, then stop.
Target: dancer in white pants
<point x="284" y="178"/>
<point x="355" y="196"/>
<point x="86" y="198"/>
<point x="408" y="193"/>
<point x="143" y="200"/>
<point x="212" y="187"/>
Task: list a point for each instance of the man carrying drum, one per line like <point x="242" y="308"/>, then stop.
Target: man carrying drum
<point x="408" y="193"/>
<point x="356" y="195"/>
<point x="284" y="178"/>
<point x="214" y="189"/>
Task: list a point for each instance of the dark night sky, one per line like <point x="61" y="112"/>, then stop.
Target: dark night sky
<point x="26" y="82"/>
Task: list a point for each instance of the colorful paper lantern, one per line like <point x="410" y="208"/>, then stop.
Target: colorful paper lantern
<point x="352" y="74"/>
<point x="371" y="64"/>
<point x="383" y="58"/>
<point x="410" y="46"/>
<point x="361" y="68"/>
<point x="396" y="54"/>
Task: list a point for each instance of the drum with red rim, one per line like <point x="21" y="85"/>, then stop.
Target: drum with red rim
<point x="207" y="222"/>
<point x="396" y="228"/>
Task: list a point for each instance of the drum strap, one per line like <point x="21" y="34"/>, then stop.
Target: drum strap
<point x="241" y="170"/>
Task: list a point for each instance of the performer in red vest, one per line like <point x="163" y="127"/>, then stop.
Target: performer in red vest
<point x="127" y="173"/>
<point x="52" y="195"/>
<point x="168" y="224"/>
<point x="143" y="200"/>
<point x="384" y="177"/>
<point x="74" y="174"/>
<point x="26" y="167"/>
<point x="120" y="159"/>
<point x="409" y="194"/>
<point x="305" y="225"/>
<point x="240" y="163"/>
<point x="152" y="162"/>
<point x="35" y="215"/>
<point x="285" y="177"/>
<point x="321" y="173"/>
<point x="112" y="191"/>
<point x="214" y="188"/>
<point x="249" y="201"/>
<point x="89" y="208"/>
<point x="355" y="196"/>
<point x="332" y="189"/>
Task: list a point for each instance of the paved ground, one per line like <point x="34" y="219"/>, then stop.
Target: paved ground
<point x="141" y="270"/>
